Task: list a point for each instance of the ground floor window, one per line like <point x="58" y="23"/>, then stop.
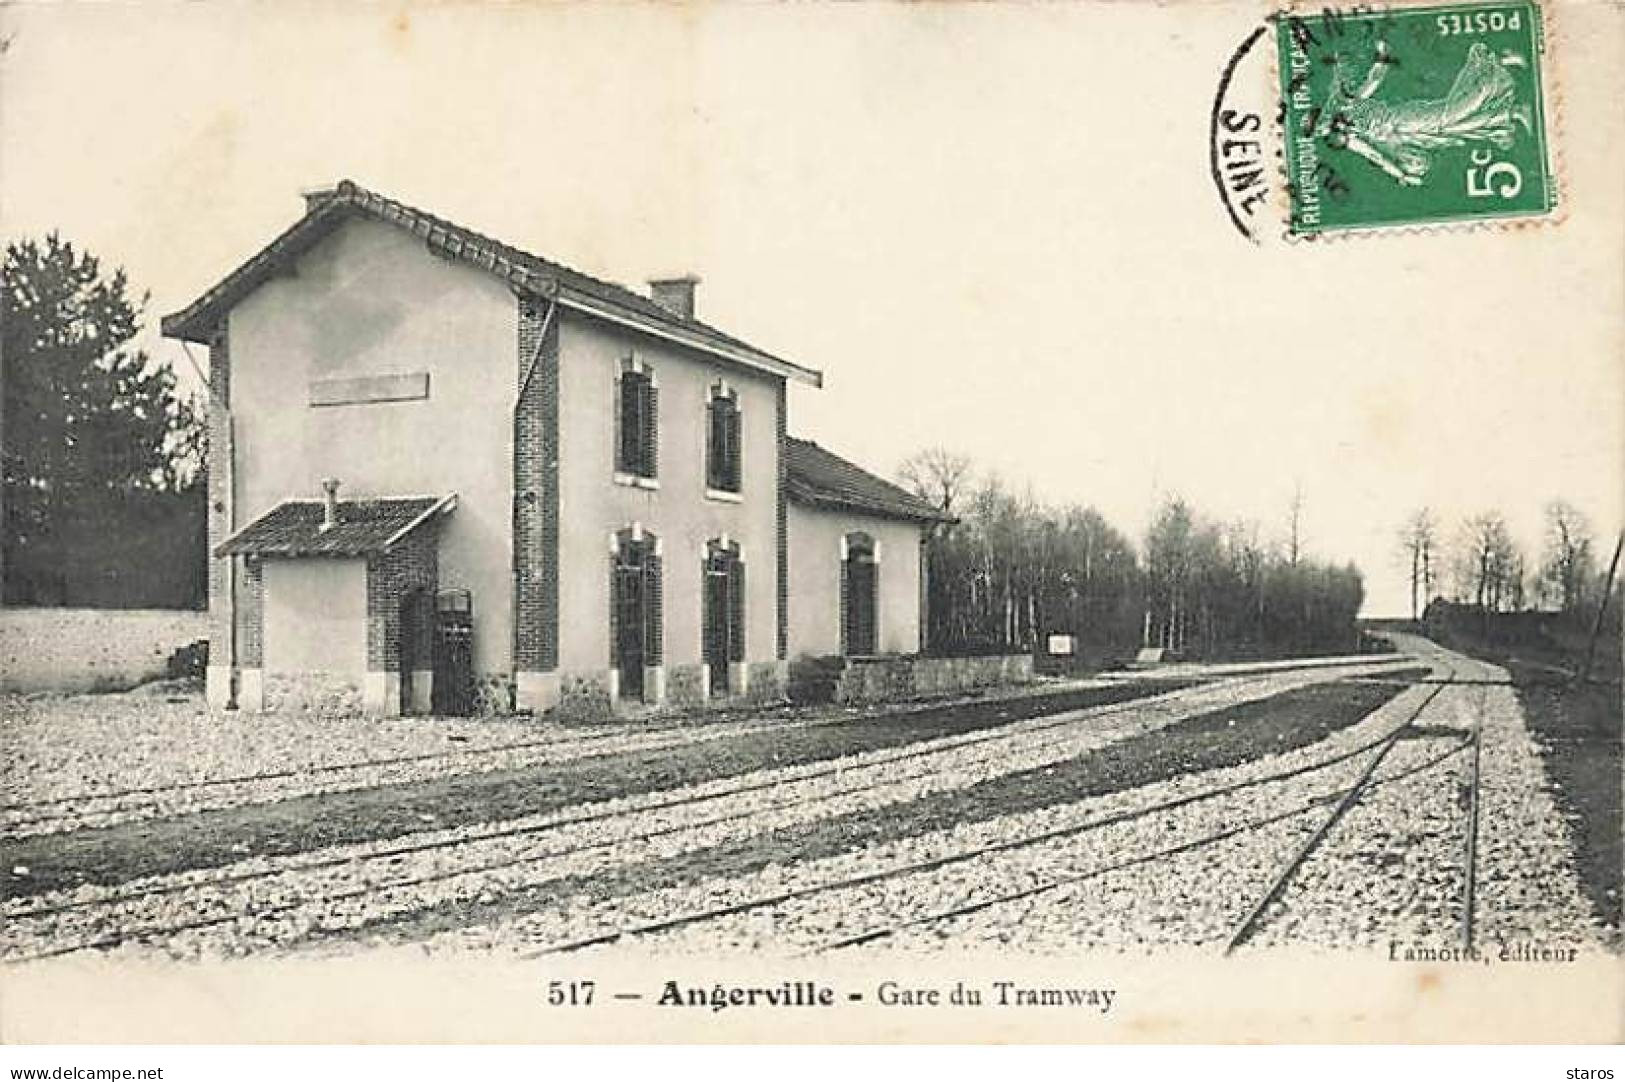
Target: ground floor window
<point x="860" y="580"/>
<point x="635" y="608"/>
<point x="723" y="590"/>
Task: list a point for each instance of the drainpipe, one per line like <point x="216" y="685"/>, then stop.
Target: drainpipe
<point x="230" y="496"/>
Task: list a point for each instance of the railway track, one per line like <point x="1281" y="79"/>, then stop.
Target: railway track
<point x="680" y="733"/>
<point x="85" y="805"/>
<point x="1259" y="914"/>
<point x="1028" y="894"/>
<point x="925" y="760"/>
<point x="79" y="801"/>
<point x="1470" y="860"/>
<point x="1010" y="845"/>
<point x="569" y="748"/>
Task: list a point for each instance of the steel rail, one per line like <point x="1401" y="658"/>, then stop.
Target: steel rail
<point x="1033" y="892"/>
<point x="1066" y="718"/>
<point x="680" y="737"/>
<point x="684" y="735"/>
<point x="964" y="855"/>
<point x="1254" y="917"/>
<point x="1470" y="861"/>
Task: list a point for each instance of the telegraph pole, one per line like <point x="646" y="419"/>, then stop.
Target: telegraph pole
<point x="1602" y="609"/>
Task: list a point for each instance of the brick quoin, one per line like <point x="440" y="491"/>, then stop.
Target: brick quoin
<point x="413" y="564"/>
<point x="536" y="492"/>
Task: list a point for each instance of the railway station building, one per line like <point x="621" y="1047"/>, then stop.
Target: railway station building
<point x="446" y="475"/>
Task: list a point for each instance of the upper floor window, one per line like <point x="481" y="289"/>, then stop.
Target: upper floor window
<point x="637" y="420"/>
<point x="722" y="444"/>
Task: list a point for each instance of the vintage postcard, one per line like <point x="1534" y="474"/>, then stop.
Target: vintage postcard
<point x="719" y="522"/>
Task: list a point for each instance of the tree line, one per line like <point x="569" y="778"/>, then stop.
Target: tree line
<point x="1012" y="571"/>
<point x="1480" y="563"/>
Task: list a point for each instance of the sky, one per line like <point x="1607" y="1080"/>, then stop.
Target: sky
<point x="991" y="226"/>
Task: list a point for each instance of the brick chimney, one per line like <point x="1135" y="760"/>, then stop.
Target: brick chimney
<point x="675" y="295"/>
<point x="330" y="503"/>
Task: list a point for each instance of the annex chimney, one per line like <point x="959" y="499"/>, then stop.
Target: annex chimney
<point x="330" y="502"/>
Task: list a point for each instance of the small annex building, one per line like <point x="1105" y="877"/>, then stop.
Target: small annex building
<point x="446" y="475"/>
<point x="857" y="558"/>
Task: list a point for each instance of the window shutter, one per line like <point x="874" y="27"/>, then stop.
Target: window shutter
<point x="651" y="429"/>
<point x="732" y="454"/>
<point x="630" y="418"/>
<point x="715" y="448"/>
<point x="845" y="606"/>
<point x="615" y="602"/>
<point x="654" y="608"/>
<point x="873" y="631"/>
<point x="619" y="448"/>
<point x="736" y="610"/>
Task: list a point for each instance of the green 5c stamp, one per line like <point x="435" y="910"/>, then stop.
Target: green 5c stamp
<point x="1413" y="115"/>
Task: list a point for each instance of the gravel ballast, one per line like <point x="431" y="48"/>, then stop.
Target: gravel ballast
<point x="1142" y="825"/>
<point x="620" y="833"/>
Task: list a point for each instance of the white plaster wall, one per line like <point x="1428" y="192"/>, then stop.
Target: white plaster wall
<point x="91" y="649"/>
<point x="370" y="299"/>
<point x="592" y="505"/>
<point x="316" y="617"/>
<point x="815" y="580"/>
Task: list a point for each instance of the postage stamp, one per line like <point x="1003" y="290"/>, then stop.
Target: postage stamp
<point x="1413" y="116"/>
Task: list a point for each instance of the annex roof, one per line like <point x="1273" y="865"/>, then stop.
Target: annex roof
<point x="527" y="273"/>
<point x="364" y="527"/>
<point x="819" y="478"/>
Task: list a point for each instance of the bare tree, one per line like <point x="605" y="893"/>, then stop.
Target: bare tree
<point x="1295" y="525"/>
<point x="1417" y="538"/>
<point x="1566" y="561"/>
<point x="936" y="475"/>
<point x="1210" y="588"/>
<point x="1513" y="580"/>
<point x="1169" y="548"/>
<point x="1486" y="560"/>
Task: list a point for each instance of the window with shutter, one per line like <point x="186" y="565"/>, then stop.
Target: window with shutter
<point x="723" y="626"/>
<point x="860" y="581"/>
<point x="637" y="422"/>
<point x="722" y="444"/>
<point x="636" y="616"/>
<point x="628" y="617"/>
